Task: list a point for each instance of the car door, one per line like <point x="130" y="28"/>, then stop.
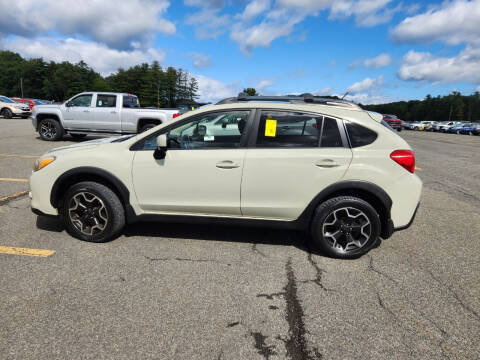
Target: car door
<point x="291" y="159"/>
<point x="107" y="113"/>
<point x="78" y="113"/>
<point x="200" y="174"/>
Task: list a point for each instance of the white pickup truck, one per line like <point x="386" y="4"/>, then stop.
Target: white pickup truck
<point x="97" y="112"/>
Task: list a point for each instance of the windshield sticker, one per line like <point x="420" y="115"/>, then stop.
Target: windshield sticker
<point x="271" y="128"/>
<point x="209" y="138"/>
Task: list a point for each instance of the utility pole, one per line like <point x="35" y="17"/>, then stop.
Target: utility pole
<point x="21" y="85"/>
<point x="450" y="116"/>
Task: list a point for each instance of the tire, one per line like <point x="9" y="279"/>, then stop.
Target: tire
<point x="105" y="207"/>
<point x="363" y="219"/>
<point x="78" y="136"/>
<point x="7" y="113"/>
<point x="50" y="130"/>
<point x="399" y="129"/>
<point x="147" y="127"/>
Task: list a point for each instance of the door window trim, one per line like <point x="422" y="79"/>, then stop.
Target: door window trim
<point x="166" y="129"/>
<point x="252" y="139"/>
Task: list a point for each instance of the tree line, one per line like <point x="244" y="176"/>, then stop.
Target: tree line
<point x="454" y="107"/>
<point x="154" y="85"/>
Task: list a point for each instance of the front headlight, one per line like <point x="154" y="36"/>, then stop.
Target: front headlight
<point x="42" y="162"/>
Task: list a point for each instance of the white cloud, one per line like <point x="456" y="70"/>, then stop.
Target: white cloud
<point x="366" y="12"/>
<point x="119" y="24"/>
<point x="324" y="91"/>
<point x="423" y="66"/>
<point x="378" y="61"/>
<point x="212" y="90"/>
<point x="262" y="84"/>
<point x="101" y="58"/>
<point x="452" y="22"/>
<point x="368" y="98"/>
<point x="255" y="8"/>
<point x="200" y="61"/>
<point x="365" y="85"/>
<point x="208" y="23"/>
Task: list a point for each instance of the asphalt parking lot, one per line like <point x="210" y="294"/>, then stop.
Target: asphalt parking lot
<point x="176" y="291"/>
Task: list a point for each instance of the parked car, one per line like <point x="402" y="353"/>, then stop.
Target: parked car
<point x="466" y="129"/>
<point x="30" y="102"/>
<point x="9" y="108"/>
<point x="92" y="112"/>
<point x="348" y="182"/>
<point x="429" y="127"/>
<point x="439" y="126"/>
<point x="450" y="124"/>
<point x="476" y="130"/>
<point x="415" y="125"/>
<point x="393" y="121"/>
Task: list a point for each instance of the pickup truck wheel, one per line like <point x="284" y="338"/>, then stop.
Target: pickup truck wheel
<point x="92" y="212"/>
<point x="7" y="113"/>
<point x="78" y="136"/>
<point x="147" y="127"/>
<point x="50" y="130"/>
<point x="345" y="227"/>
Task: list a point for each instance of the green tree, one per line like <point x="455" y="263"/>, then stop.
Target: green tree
<point x="250" y="91"/>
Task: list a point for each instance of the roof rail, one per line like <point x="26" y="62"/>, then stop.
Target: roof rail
<point x="304" y="98"/>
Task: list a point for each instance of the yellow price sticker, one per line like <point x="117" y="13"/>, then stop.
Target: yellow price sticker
<point x="271" y="128"/>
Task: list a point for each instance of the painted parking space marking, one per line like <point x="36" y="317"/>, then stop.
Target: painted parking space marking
<point x="417" y="168"/>
<point x="20" y="156"/>
<point x="13" y="179"/>
<point x="25" y="251"/>
<point x="13" y="196"/>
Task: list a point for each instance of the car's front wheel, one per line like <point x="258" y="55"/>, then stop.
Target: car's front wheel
<point x="7" y="113"/>
<point x="92" y="212"/>
<point x="50" y="130"/>
<point x="345" y="227"/>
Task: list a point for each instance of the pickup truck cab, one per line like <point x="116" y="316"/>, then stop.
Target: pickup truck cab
<point x="97" y="112"/>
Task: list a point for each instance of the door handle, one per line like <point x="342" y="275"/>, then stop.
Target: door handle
<point x="113" y="112"/>
<point x="327" y="163"/>
<point x="87" y="111"/>
<point x="227" y="164"/>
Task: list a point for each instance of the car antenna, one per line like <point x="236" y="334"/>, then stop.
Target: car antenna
<point x="343" y="97"/>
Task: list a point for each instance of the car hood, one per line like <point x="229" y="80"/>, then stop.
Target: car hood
<point x="87" y="144"/>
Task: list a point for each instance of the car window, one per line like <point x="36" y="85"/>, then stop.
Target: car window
<point x="130" y="101"/>
<point x="288" y="129"/>
<point x="204" y="132"/>
<point x="81" y="101"/>
<point x="106" y="100"/>
<point x="360" y="135"/>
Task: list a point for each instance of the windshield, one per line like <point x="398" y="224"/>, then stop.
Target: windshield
<point x="38" y="102"/>
<point x="6" y="100"/>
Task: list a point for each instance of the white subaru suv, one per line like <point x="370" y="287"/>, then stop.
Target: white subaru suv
<point x="305" y="162"/>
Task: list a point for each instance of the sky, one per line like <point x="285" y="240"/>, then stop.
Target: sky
<point x="376" y="50"/>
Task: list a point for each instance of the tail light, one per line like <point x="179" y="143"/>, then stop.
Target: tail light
<point x="404" y="158"/>
<point x="176" y="115"/>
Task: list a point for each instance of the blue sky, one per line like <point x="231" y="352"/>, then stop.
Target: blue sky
<point x="377" y="50"/>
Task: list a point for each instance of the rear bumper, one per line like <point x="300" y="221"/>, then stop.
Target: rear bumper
<point x="409" y="223"/>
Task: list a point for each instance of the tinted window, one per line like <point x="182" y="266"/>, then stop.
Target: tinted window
<point x="130" y="101"/>
<point x="359" y="135"/>
<point x="288" y="129"/>
<point x="6" y="100"/>
<point x="331" y="134"/>
<point x="82" y="100"/>
<point x="207" y="131"/>
<point x="106" y="100"/>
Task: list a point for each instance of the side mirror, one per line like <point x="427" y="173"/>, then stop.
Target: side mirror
<point x="161" y="149"/>
<point x="224" y="125"/>
<point x="68" y="104"/>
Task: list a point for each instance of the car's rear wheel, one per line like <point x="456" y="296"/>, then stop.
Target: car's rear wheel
<point x="92" y="212"/>
<point x="345" y="227"/>
<point x="7" y="113"/>
<point x="50" y="130"/>
<point x="147" y="127"/>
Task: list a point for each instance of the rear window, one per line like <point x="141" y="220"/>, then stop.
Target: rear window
<point x="130" y="101"/>
<point x="360" y="135"/>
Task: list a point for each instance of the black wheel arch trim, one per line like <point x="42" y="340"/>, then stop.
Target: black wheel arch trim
<point x="88" y="170"/>
<point x="351" y="186"/>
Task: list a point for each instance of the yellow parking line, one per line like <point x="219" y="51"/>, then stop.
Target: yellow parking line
<point x="13" y="196"/>
<point x="20" y="156"/>
<point x="13" y="180"/>
<point x="25" y="251"/>
<point x="417" y="168"/>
